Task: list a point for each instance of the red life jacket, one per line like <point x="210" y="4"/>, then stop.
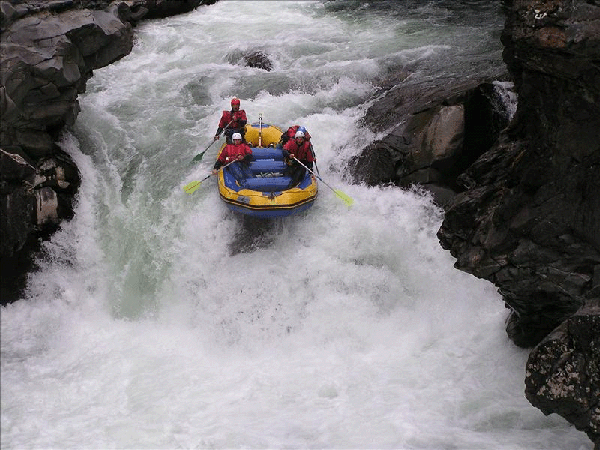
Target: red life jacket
<point x="236" y="117"/>
<point x="303" y="152"/>
<point x="231" y="151"/>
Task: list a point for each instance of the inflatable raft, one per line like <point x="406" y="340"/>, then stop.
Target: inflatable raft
<point x="267" y="193"/>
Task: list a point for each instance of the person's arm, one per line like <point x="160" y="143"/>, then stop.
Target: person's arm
<point x="222" y="124"/>
<point x="241" y="118"/>
<point x="247" y="154"/>
<point x="289" y="149"/>
<point x="221" y="160"/>
<point x="219" y="128"/>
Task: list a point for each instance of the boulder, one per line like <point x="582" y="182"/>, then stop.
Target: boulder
<point x="563" y="371"/>
<point x="250" y="58"/>
<point x="259" y="60"/>
<point x="46" y="61"/>
<point x="158" y="9"/>
<point x="17" y="199"/>
<point x="433" y="137"/>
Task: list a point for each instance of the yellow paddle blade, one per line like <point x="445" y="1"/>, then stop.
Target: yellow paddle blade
<point x="191" y="187"/>
<point x="349" y="201"/>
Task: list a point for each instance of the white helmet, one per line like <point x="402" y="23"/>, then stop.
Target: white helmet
<point x="235" y="136"/>
<point x="299" y="134"/>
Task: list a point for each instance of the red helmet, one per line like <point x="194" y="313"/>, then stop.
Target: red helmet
<point x="235" y="101"/>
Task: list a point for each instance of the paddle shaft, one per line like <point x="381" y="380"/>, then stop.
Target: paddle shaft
<point x="345" y="197"/>
<point x="230" y="162"/>
<point x="314" y="174"/>
<point x="226" y="126"/>
<point x="192" y="186"/>
<point x="260" y="130"/>
<point x="199" y="156"/>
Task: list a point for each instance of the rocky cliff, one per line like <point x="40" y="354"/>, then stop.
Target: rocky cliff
<point x="529" y="219"/>
<point x="49" y="50"/>
<point x="532" y="203"/>
<point x="522" y="203"/>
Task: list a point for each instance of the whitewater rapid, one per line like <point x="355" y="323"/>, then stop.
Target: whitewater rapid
<point x="159" y="319"/>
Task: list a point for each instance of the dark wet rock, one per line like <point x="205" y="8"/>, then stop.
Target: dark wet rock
<point x="392" y="78"/>
<point x="520" y="192"/>
<point x="159" y="9"/>
<point x="259" y="60"/>
<point x="36" y="196"/>
<point x="47" y="58"/>
<point x="129" y="10"/>
<point x="12" y="10"/>
<point x="434" y="135"/>
<point x="46" y="61"/>
<point x="563" y="371"/>
<point x="529" y="219"/>
<point x="49" y="50"/>
<point x="17" y="196"/>
<point x="522" y="225"/>
<point x="250" y="58"/>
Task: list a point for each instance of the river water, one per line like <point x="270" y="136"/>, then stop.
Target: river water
<point x="161" y="320"/>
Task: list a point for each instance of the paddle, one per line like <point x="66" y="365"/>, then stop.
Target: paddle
<point x="193" y="186"/>
<point x="349" y="201"/>
<point x="199" y="156"/>
<point x="260" y="130"/>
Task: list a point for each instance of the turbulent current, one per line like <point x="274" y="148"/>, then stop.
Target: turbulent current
<point x="161" y="320"/>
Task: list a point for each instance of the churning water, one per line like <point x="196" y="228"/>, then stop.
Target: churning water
<point x="161" y="320"/>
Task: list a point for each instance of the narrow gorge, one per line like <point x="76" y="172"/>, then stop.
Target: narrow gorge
<point x="520" y="189"/>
